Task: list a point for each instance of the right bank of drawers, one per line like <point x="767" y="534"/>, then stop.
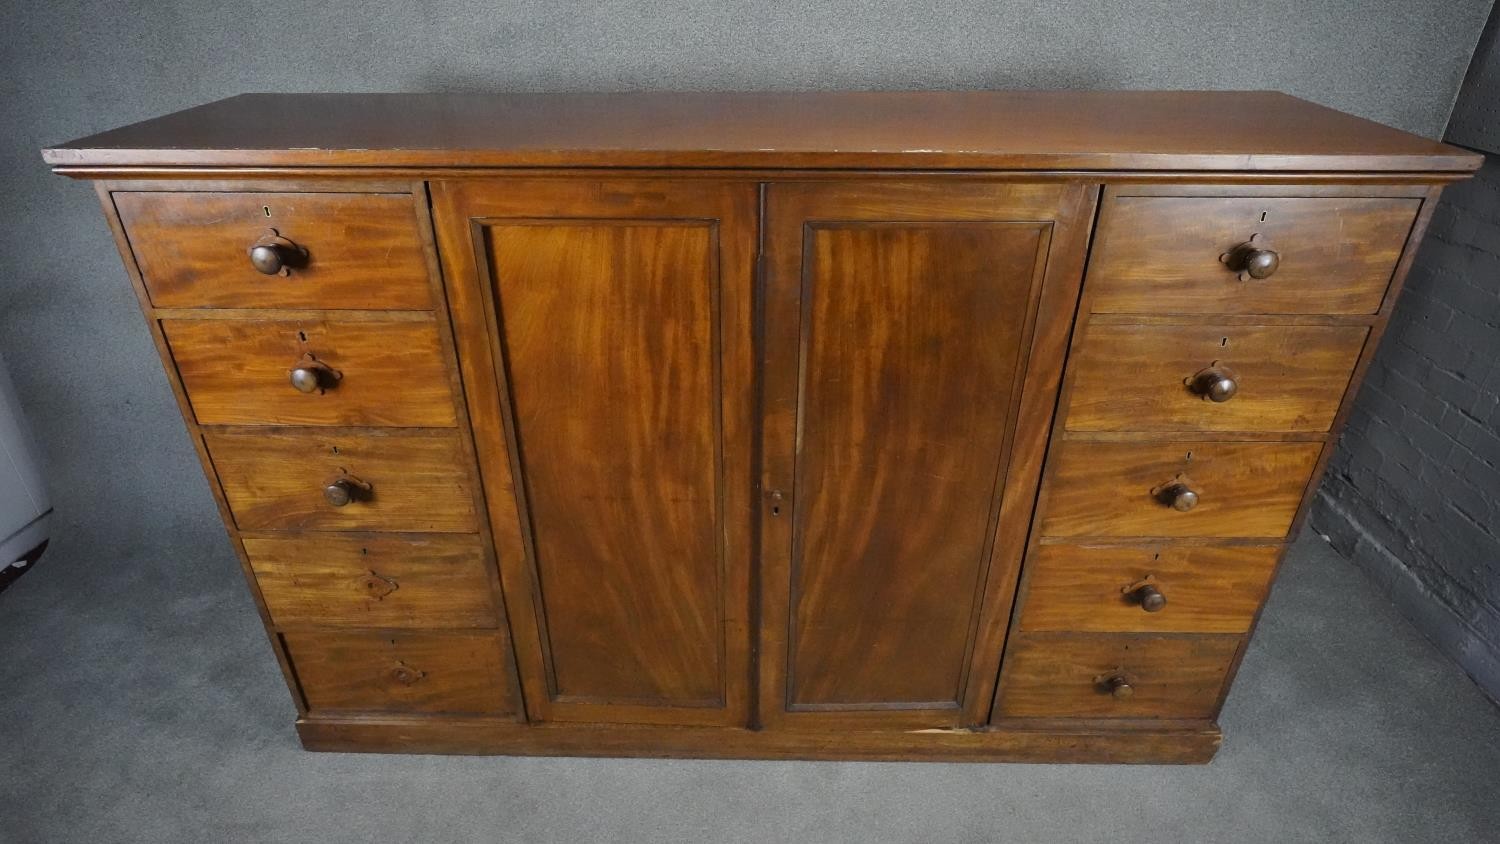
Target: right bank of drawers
<point x="1219" y="333"/>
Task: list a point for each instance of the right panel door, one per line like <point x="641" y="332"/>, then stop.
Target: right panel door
<point x="914" y="334"/>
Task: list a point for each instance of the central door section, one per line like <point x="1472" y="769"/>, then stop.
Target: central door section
<point x="899" y="321"/>
<point x="620" y="439"/>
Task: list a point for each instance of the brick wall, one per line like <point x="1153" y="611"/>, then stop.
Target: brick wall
<point x="1413" y="493"/>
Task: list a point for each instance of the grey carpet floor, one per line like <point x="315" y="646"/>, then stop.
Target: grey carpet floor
<point x="139" y="702"/>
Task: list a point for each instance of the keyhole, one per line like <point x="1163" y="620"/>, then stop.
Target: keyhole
<point x="267" y="209"/>
<point x="1262" y="216"/>
<point x="334" y="450"/>
<point x="1224" y="342"/>
<point x="302" y="335"/>
<point x="1188" y="458"/>
<point x="775" y="509"/>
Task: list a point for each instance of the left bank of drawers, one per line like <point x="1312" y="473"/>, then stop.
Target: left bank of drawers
<point x="304" y="328"/>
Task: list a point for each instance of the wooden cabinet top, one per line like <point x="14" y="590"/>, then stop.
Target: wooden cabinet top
<point x="1236" y="131"/>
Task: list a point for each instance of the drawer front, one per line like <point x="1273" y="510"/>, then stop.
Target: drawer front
<point x="1211" y="378"/>
<point x="1129" y="489"/>
<point x="279" y="481"/>
<point x="1119" y="676"/>
<point x="419" y="672"/>
<point x="1161" y="254"/>
<point x="362" y="250"/>
<point x="1134" y="589"/>
<point x="437" y="580"/>
<point x="311" y="372"/>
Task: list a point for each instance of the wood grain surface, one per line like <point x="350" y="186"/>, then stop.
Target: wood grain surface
<point x="275" y="480"/>
<point x="1059" y="675"/>
<point x="236" y="372"/>
<point x="1245" y="489"/>
<point x="431" y="672"/>
<point x="1208" y="588"/>
<point x="1260" y="131"/>
<point x="374" y="580"/>
<point x="364" y="250"/>
<point x="1139" y="378"/>
<point x="1160" y="254"/>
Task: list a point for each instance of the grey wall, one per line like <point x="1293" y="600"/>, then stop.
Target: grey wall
<point x="82" y="360"/>
<point x="1413" y="494"/>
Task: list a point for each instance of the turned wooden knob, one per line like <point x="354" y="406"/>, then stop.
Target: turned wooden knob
<point x="273" y="254"/>
<point x="1116" y="686"/>
<point x="312" y="375"/>
<point x="1216" y="383"/>
<point x="345" y="489"/>
<point x="1150" y="598"/>
<point x="1252" y="259"/>
<point x="1180" y="496"/>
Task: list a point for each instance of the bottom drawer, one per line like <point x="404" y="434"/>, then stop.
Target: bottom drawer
<point x="424" y="672"/>
<point x="1067" y="675"/>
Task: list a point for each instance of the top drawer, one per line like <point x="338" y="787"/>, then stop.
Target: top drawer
<point x="1188" y="254"/>
<point x="363" y="251"/>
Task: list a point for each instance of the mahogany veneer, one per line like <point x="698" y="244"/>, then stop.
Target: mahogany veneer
<point x="965" y="426"/>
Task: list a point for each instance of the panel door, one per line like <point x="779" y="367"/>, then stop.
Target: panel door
<point x="902" y="437"/>
<point x="605" y="332"/>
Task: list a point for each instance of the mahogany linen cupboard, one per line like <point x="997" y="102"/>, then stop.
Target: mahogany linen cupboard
<point x="965" y="426"/>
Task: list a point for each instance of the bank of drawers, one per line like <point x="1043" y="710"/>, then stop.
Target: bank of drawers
<point x="304" y="329"/>
<point x="1216" y="347"/>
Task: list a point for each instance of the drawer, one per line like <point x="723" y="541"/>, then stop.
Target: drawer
<point x="1135" y="589"/>
<point x="281" y="481"/>
<point x="311" y="372"/>
<point x="1130" y="489"/>
<point x="422" y="672"/>
<point x="1162" y="377"/>
<point x="1120" y="676"/>
<point x="1161" y="254"/>
<point x="437" y="580"/>
<point x="362" y="250"/>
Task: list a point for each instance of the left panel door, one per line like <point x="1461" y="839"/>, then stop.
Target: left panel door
<point x="605" y="332"/>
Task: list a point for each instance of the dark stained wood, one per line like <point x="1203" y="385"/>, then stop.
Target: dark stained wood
<point x="364" y="250"/>
<point x="236" y="372"/>
<point x="589" y="309"/>
<point x="403" y="671"/>
<point x="1245" y="489"/>
<point x="1041" y="130"/>
<point x="1166" y="742"/>
<point x="878" y="550"/>
<point x="1059" y="676"/>
<point x="897" y="473"/>
<point x="374" y="580"/>
<point x="275" y="481"/>
<point x="1138" y="378"/>
<point x="1208" y="588"/>
<point x="1161" y="253"/>
<point x="622" y="314"/>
